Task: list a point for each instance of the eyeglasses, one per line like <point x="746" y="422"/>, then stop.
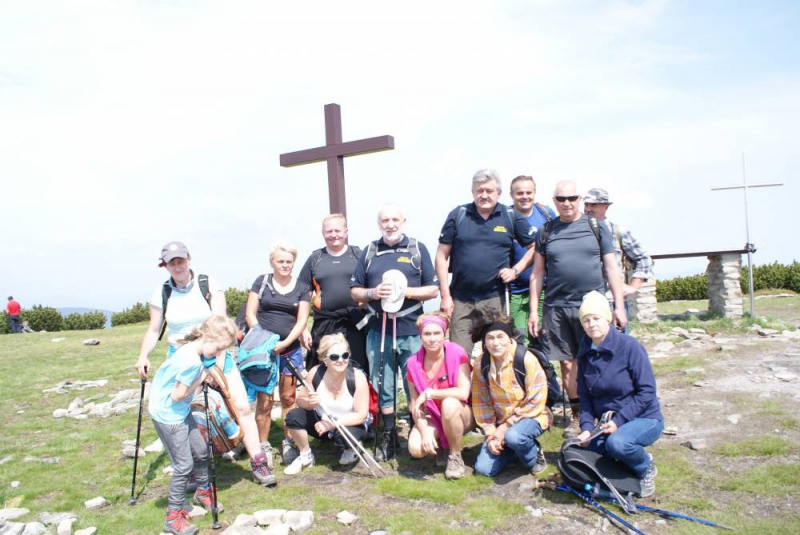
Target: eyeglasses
<point x="334" y="357"/>
<point x="570" y="198"/>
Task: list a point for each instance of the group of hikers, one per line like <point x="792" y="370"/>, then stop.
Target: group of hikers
<point x="509" y="277"/>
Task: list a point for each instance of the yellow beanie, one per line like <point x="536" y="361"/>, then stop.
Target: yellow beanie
<point x="595" y="303"/>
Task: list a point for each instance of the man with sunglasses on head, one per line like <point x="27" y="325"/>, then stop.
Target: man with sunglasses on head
<point x="573" y="251"/>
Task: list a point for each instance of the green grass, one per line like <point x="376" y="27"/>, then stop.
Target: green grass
<point x="773" y="480"/>
<point x="767" y="446"/>
<point x="437" y="490"/>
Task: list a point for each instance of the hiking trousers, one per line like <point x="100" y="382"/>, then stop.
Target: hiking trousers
<point x="627" y="443"/>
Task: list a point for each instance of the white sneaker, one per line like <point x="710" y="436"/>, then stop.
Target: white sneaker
<point x="348" y="457"/>
<point x="302" y="462"/>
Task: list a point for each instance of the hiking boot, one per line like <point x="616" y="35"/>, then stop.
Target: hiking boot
<point x="289" y="451"/>
<point x="300" y="463"/>
<point x="540" y="464"/>
<point x="388" y="445"/>
<point x="348" y="457"/>
<point x="177" y="523"/>
<point x="235" y="453"/>
<point x="455" y="467"/>
<point x="574" y="427"/>
<point x="267" y="450"/>
<point x="262" y="473"/>
<point x="648" y="482"/>
<point x="203" y="498"/>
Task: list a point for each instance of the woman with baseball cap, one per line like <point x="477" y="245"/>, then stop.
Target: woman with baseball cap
<point x="184" y="301"/>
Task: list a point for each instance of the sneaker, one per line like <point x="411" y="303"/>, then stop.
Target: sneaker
<point x="191" y="486"/>
<point x="540" y="464"/>
<point x="235" y="453"/>
<point x="648" y="482"/>
<point x="455" y="467"/>
<point x="202" y="497"/>
<point x="289" y="451"/>
<point x="300" y="463"/>
<point x="262" y="473"/>
<point x="387" y="446"/>
<point x="348" y="457"/>
<point x="177" y="523"/>
<point x="574" y="427"/>
<point x="266" y="449"/>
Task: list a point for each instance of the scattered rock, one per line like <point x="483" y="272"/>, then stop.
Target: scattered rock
<point x="734" y="418"/>
<point x="64" y="386"/>
<point x="700" y="384"/>
<point x="690" y="343"/>
<point x="671" y="431"/>
<point x="696" y="330"/>
<point x="6" y="459"/>
<point x="169" y="470"/>
<point x="131" y="452"/>
<point x="243" y="530"/>
<point x="91" y="342"/>
<point x="65" y="527"/>
<point x="691" y="371"/>
<point x="60" y="339"/>
<point x="12" y="528"/>
<point x="267" y="517"/>
<point x="86" y="531"/>
<point x="299" y="520"/>
<point x="53" y="519"/>
<point x="693" y="311"/>
<point x="663" y="347"/>
<point x="15" y="484"/>
<point x="12" y="513"/>
<point x="767" y="332"/>
<point x="727" y="348"/>
<point x="680" y="331"/>
<point x="244" y="521"/>
<point x="279" y="528"/>
<point x="346" y="517"/>
<point x="696" y="444"/>
<point x="95" y="503"/>
<point x="45" y="460"/>
<point x="34" y="528"/>
<point x="197" y="512"/>
<point x="60" y="413"/>
<point x="155" y="447"/>
<point x="535" y="512"/>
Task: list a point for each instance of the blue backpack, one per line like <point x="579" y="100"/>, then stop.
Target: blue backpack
<point x="257" y="365"/>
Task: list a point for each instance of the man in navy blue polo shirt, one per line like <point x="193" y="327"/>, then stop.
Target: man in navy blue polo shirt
<point x="477" y="244"/>
<point x="393" y="251"/>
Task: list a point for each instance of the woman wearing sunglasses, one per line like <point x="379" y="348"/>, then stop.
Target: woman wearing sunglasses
<point x="347" y="400"/>
<point x="439" y="385"/>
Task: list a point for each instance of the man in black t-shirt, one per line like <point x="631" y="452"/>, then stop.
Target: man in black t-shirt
<point x="327" y="272"/>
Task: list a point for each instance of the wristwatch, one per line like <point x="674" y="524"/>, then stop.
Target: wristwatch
<point x="516" y="273"/>
<point x="428" y="392"/>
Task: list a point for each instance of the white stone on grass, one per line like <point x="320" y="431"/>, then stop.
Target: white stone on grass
<point x="696" y="444"/>
<point x="267" y="517"/>
<point x="734" y="418"/>
<point x="95" y="503"/>
<point x="60" y="413"/>
<point x="12" y="528"/>
<point x="34" y="528"/>
<point x="86" y="531"/>
<point x="670" y="431"/>
<point x="278" y="528"/>
<point x="15" y="484"/>
<point x="244" y="521"/>
<point x="52" y="519"/>
<point x="663" y="347"/>
<point x="12" y="513"/>
<point x="65" y="527"/>
<point x="6" y="459"/>
<point x="130" y="452"/>
<point x="786" y="376"/>
<point x="243" y="530"/>
<point x="299" y="520"/>
<point x="197" y="511"/>
<point x="346" y="517"/>
<point x="155" y="447"/>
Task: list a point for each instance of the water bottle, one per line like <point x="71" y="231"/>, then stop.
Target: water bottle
<point x="594" y="489"/>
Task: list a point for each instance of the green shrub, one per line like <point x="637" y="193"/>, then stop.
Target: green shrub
<point x="774" y="276"/>
<point x="234" y="299"/>
<point x="682" y="288"/>
<point x="41" y="318"/>
<point x="84" y="322"/>
<point x="138" y="313"/>
<point x="4" y="326"/>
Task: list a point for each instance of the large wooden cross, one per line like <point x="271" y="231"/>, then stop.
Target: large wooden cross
<point x="334" y="152"/>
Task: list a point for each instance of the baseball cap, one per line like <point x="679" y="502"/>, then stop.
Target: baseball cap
<point x="173" y="249"/>
<point x="597" y="196"/>
<point x="394" y="302"/>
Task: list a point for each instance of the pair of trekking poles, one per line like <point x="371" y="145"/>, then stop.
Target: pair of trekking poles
<point x="212" y="465"/>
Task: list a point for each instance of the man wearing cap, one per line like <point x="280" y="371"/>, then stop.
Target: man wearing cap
<point x="13" y="309"/>
<point x="477" y="243"/>
<point x="573" y="251"/>
<point x="327" y="271"/>
<point x="511" y="415"/>
<point x="523" y="193"/>
<point x="634" y="263"/>
<point x="376" y="282"/>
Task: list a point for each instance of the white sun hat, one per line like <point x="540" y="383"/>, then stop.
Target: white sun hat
<point x="394" y="302"/>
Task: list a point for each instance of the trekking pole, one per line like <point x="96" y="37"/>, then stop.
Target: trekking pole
<point x="564" y="398"/>
<point x="396" y="364"/>
<point x="508" y="299"/>
<point x="354" y="444"/>
<point x="380" y="385"/>
<point x="132" y="499"/>
<point x="588" y="499"/>
<point x="212" y="465"/>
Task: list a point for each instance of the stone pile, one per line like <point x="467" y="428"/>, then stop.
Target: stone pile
<point x="65" y="386"/>
<point x="642" y="305"/>
<point x="80" y="409"/>
<point x="61" y="522"/>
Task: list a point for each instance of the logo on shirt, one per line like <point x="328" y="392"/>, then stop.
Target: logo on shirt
<point x="404" y="259"/>
<point x="500" y="228"/>
<point x="531" y="231"/>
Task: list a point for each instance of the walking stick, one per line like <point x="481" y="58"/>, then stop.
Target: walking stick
<point x="396" y="364"/>
<point x="132" y="499"/>
<point x="212" y="465"/>
<point x="380" y="385"/>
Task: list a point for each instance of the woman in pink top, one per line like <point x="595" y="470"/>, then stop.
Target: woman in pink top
<point x="439" y="385"/>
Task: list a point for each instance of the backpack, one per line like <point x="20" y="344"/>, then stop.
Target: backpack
<point x="413" y="248"/>
<point x="544" y="233"/>
<point x="590" y="472"/>
<point x="553" y="388"/>
<point x="223" y="421"/>
<point x="509" y="216"/>
<point x="257" y="365"/>
<point x="166" y="291"/>
<point x="350" y="379"/>
<point x="316" y="256"/>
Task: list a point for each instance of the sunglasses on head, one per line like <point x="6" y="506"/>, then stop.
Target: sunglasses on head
<point x="564" y="198"/>
<point x="334" y="357"/>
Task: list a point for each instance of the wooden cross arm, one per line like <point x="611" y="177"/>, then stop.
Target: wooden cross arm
<point x="350" y="148"/>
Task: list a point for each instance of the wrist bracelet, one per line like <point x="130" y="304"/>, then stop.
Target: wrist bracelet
<point x="369" y="294"/>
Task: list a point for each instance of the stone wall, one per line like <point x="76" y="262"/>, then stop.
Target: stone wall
<point x="724" y="289"/>
<point x="642" y="304"/>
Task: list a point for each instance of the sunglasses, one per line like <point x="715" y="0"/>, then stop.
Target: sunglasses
<point x="570" y="198"/>
<point x="334" y="357"/>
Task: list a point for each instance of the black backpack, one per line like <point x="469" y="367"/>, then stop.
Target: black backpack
<point x="590" y="472"/>
<point x="166" y="291"/>
<point x="553" y="388"/>
<point x="350" y="379"/>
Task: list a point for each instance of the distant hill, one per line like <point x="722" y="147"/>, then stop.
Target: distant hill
<point x="66" y="311"/>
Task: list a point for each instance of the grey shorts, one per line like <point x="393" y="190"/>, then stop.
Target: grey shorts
<point x="562" y="332"/>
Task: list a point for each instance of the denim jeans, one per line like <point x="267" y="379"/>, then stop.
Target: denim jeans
<point x="188" y="453"/>
<point x="627" y="443"/>
<point x="406" y="346"/>
<point x="520" y="442"/>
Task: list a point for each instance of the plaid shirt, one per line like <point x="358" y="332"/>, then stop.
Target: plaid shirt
<point x="637" y="261"/>
<point x="500" y="398"/>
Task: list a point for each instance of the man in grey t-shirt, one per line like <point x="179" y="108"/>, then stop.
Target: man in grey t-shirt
<point x="572" y="251"/>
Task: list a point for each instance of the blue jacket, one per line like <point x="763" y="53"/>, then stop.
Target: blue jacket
<point x="616" y="376"/>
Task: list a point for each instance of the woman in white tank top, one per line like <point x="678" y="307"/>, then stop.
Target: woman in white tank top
<point x="329" y="379"/>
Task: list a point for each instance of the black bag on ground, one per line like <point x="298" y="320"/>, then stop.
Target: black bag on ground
<point x="581" y="466"/>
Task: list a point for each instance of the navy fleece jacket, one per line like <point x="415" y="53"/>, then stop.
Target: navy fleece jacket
<point x="616" y="376"/>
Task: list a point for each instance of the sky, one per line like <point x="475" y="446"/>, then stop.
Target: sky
<point x="128" y="124"/>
